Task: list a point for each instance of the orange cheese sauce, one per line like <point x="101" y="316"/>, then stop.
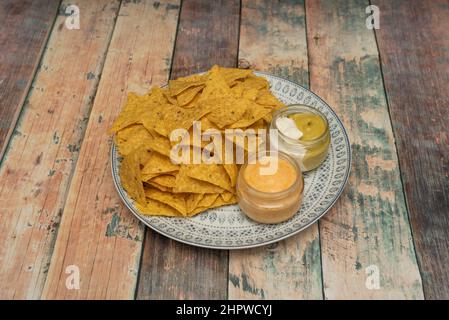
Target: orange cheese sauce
<point x="283" y="177"/>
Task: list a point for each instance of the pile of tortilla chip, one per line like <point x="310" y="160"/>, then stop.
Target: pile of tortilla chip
<point x="222" y="98"/>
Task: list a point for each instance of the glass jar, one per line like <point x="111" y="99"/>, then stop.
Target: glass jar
<point x="309" y="154"/>
<point x="270" y="207"/>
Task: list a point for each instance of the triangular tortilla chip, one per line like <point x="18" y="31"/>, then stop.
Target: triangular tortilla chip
<point x="130" y="177"/>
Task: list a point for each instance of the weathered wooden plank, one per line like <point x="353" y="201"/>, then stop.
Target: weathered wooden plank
<point x="43" y="151"/>
<point x="207" y="35"/>
<point x="97" y="233"/>
<point x="416" y="73"/>
<point x="24" y="29"/>
<point x="368" y="228"/>
<point x="273" y="39"/>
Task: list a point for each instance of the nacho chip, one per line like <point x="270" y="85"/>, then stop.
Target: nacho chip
<point x="184" y="183"/>
<point x="136" y="107"/>
<point x="232" y="74"/>
<point x="232" y="172"/>
<point x="227" y="196"/>
<point x="266" y="98"/>
<point x="165" y="180"/>
<point x="212" y="173"/>
<point x="159" y="187"/>
<point x="159" y="164"/>
<point x="188" y="95"/>
<point x="170" y="117"/>
<point x="192" y="200"/>
<point x="156" y="208"/>
<point x="208" y="200"/>
<point x="254" y="113"/>
<point x="216" y="86"/>
<point x="225" y="111"/>
<point x="181" y="84"/>
<point x="132" y="138"/>
<point x="131" y="179"/>
<point x="217" y="203"/>
<point x="159" y="143"/>
<point x="176" y="201"/>
<point x="256" y="82"/>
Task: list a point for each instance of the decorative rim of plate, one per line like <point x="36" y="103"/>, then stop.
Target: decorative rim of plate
<point x="129" y="202"/>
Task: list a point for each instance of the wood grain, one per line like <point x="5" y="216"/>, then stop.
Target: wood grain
<point x="24" y="29"/>
<point x="273" y="39"/>
<point x="207" y="35"/>
<point x="369" y="224"/>
<point x="97" y="233"/>
<point x="37" y="169"/>
<point x="416" y="73"/>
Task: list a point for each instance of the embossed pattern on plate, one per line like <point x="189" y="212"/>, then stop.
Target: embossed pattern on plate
<point x="228" y="227"/>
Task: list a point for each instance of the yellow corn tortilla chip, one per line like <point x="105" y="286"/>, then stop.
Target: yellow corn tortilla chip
<point x="254" y="113"/>
<point x="208" y="200"/>
<point x="193" y="103"/>
<point x="181" y="84"/>
<point x="144" y="155"/>
<point x="184" y="183"/>
<point x="192" y="200"/>
<point x="130" y="177"/>
<point x="188" y="95"/>
<point x="212" y="173"/>
<point x="136" y="106"/>
<point x="250" y="94"/>
<point x="170" y="99"/>
<point x="232" y="172"/>
<point x="158" y="186"/>
<point x="225" y="111"/>
<point x="176" y="201"/>
<point x="159" y="143"/>
<point x="159" y="164"/>
<point x="206" y="124"/>
<point x="165" y="180"/>
<point x="217" y="203"/>
<point x="156" y="208"/>
<point x="132" y="138"/>
<point x="232" y="74"/>
<point x="256" y="82"/>
<point x="165" y="120"/>
<point x="216" y="85"/>
<point x="227" y="197"/>
<point x="266" y="98"/>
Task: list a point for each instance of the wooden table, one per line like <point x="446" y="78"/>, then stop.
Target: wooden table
<point x="61" y="87"/>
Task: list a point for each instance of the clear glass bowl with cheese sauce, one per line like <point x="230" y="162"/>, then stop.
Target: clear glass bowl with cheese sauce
<point x="312" y="148"/>
<point x="270" y="198"/>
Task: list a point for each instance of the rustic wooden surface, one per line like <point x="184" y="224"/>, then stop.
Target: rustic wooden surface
<point x="273" y="39"/>
<point x="97" y="233"/>
<point x="21" y="44"/>
<point x="58" y="206"/>
<point x="38" y="167"/>
<point x="170" y="269"/>
<point x="416" y="74"/>
<point x="369" y="224"/>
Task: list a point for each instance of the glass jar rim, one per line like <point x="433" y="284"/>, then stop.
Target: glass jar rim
<point x="293" y="109"/>
<point x="273" y="195"/>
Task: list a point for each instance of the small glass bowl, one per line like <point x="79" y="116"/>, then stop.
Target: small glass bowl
<point x="309" y="154"/>
<point x="270" y="207"/>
